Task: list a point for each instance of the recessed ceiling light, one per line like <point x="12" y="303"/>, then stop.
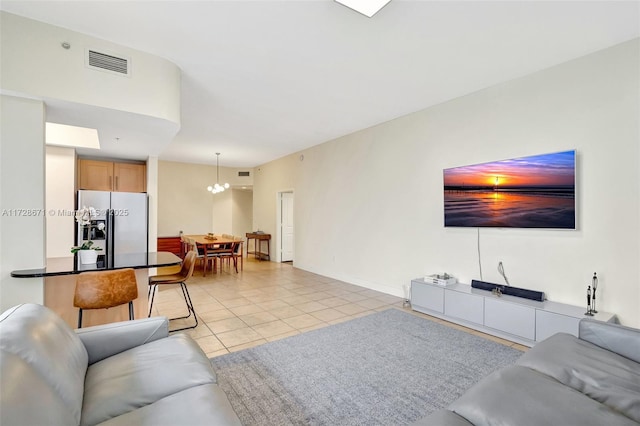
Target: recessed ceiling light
<point x="366" y="7"/>
<point x="72" y="136"/>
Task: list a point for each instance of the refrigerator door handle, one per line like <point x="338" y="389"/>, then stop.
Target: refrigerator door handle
<point x="110" y="236"/>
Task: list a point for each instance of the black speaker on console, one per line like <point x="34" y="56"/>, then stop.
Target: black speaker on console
<point x="511" y="291"/>
<point x="483" y="285"/>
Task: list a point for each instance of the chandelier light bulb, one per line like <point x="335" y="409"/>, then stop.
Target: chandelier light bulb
<point x="217" y="187"/>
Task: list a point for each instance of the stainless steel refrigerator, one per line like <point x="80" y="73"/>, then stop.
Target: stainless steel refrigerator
<point x="125" y="219"/>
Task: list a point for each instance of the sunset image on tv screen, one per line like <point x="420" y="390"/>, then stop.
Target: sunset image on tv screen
<point x="528" y="192"/>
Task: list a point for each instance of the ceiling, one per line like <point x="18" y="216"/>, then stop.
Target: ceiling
<point x="263" y="79"/>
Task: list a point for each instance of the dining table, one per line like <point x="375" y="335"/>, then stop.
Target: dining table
<point x="217" y="243"/>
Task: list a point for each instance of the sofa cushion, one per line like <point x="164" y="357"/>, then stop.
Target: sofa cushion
<point x="103" y="341"/>
<point x="517" y="395"/>
<point x="142" y="376"/>
<point x="26" y="398"/>
<point x="598" y="373"/>
<point x="201" y="405"/>
<point x="50" y="347"/>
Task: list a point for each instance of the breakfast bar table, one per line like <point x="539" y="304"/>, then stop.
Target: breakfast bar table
<point x="60" y="281"/>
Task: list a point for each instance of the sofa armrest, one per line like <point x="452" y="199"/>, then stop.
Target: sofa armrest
<point x="616" y="338"/>
<point x="103" y="341"/>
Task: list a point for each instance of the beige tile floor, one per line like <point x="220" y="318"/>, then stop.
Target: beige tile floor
<point x="268" y="301"/>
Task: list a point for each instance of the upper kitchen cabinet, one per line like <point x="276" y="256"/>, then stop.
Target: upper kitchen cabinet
<point x="129" y="177"/>
<point x="111" y="176"/>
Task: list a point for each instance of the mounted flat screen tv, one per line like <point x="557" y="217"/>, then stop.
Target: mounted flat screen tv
<point x="527" y="192"/>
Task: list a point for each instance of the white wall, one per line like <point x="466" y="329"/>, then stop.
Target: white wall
<point x="183" y="201"/>
<point x="185" y="204"/>
<point x="22" y="203"/>
<point x="152" y="89"/>
<point x="280" y="175"/>
<point x="241" y="212"/>
<point x="59" y="194"/>
<point x="152" y="194"/>
<point x="221" y="212"/>
<point x="369" y="206"/>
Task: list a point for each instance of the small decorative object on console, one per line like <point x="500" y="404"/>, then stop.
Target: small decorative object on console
<point x="594" y="284"/>
<point x="444" y="279"/>
<point x="589" y="311"/>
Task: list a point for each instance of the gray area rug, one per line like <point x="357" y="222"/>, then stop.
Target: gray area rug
<point x="388" y="368"/>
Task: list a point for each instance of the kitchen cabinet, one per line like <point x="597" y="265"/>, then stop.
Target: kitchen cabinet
<point x="129" y="177"/>
<point x="100" y="175"/>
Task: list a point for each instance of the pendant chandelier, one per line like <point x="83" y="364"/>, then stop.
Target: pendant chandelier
<point x="217" y="187"/>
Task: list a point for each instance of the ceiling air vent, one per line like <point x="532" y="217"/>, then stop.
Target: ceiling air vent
<point x="107" y="62"/>
<point x="244" y="173"/>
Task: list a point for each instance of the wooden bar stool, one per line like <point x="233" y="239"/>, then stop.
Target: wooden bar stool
<point x="105" y="289"/>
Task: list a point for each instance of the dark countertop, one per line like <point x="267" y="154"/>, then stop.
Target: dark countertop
<point x="71" y="265"/>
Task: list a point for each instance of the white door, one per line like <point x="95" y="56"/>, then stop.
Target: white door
<point x="286" y="224"/>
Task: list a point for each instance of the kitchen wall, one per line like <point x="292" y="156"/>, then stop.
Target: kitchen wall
<point x="369" y="206"/>
<point x="59" y="194"/>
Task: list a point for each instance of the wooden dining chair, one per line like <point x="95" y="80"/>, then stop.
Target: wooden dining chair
<point x="105" y="289"/>
<point x="218" y="252"/>
<point x="181" y="279"/>
<point x="193" y="246"/>
<point x="231" y="254"/>
<point x="209" y="256"/>
<point x="184" y="245"/>
<point x="240" y="252"/>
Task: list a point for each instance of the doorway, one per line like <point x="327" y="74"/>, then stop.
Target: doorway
<point x="286" y="228"/>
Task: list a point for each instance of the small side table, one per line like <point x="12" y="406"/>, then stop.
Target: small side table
<point x="257" y="245"/>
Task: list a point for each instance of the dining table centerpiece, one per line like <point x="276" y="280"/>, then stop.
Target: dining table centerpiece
<point x="87" y="252"/>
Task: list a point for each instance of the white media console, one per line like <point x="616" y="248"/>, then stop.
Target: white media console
<point x="520" y="320"/>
